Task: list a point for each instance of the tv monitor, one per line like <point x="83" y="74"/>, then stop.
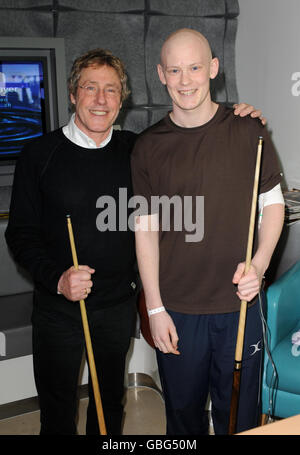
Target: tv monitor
<point x="23" y="97"/>
<point x="33" y="93"/>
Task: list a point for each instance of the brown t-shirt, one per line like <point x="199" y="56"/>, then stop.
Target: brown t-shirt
<point x="216" y="160"/>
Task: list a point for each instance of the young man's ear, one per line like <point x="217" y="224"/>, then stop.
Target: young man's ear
<point x="214" y="67"/>
<point x="161" y="74"/>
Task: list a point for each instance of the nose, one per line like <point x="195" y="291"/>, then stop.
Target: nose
<point x="101" y="96"/>
<point x="185" y="77"/>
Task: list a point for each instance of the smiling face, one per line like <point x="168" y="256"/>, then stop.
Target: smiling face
<point x="97" y="101"/>
<point x="186" y="69"/>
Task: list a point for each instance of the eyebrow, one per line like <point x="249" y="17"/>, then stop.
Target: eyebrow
<point x="191" y="64"/>
<point x="109" y="84"/>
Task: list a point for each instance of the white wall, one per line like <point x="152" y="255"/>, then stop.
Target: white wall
<point x="267" y="58"/>
<point x="16" y="379"/>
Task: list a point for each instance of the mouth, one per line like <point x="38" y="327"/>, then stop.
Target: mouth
<point x="98" y="112"/>
<point x="187" y="92"/>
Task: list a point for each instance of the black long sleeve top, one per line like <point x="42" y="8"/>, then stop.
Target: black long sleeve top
<point x="53" y="178"/>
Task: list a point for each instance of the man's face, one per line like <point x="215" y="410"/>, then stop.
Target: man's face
<point x="97" y="101"/>
<point x="186" y="70"/>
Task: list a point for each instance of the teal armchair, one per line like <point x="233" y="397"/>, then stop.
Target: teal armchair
<point x="281" y="375"/>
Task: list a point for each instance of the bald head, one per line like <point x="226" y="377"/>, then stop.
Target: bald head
<point x="186" y="68"/>
<point x="185" y="38"/>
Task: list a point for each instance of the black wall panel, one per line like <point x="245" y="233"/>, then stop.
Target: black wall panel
<point x="134" y="30"/>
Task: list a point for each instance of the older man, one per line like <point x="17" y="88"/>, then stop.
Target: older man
<point x="200" y="149"/>
<point x="65" y="172"/>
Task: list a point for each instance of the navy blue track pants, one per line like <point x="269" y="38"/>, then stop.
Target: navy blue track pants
<point x="205" y="366"/>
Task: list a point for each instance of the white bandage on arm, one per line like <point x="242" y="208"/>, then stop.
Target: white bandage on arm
<point x="273" y="196"/>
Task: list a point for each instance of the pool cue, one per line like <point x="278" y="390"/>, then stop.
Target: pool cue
<point x="88" y="341"/>
<point x="243" y="309"/>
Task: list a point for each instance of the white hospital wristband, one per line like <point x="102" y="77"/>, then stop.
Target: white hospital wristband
<point x="156" y="310"/>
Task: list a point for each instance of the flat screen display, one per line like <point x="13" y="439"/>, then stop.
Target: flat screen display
<point x="23" y="114"/>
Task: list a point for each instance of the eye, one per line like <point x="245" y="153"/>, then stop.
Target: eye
<point x="111" y="91"/>
<point x="195" y="67"/>
<point x="173" y="70"/>
<point x="90" y="88"/>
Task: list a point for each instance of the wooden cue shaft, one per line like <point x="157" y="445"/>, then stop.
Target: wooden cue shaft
<point x="243" y="310"/>
<point x="88" y="341"/>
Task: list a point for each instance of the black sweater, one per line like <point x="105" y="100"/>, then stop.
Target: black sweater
<point x="53" y="178"/>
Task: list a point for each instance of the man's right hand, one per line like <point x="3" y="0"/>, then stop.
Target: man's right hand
<point x="164" y="333"/>
<point x="75" y="284"/>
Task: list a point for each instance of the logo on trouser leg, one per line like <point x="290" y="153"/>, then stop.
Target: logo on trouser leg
<point x="255" y="347"/>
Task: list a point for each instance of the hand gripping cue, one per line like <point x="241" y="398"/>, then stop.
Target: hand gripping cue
<point x="88" y="342"/>
<point x="243" y="310"/>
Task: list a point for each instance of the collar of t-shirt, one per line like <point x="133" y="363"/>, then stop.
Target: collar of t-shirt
<point x="78" y="137"/>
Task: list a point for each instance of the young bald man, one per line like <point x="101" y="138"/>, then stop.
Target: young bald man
<point x="193" y="285"/>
